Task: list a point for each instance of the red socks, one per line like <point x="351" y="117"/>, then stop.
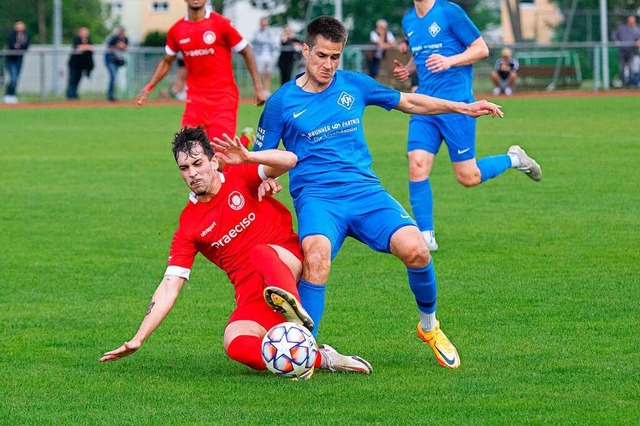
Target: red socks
<point x="247" y="350"/>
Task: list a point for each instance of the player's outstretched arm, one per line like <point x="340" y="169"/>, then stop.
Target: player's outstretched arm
<point x="250" y="60"/>
<point x="163" y="68"/>
<point x="415" y="103"/>
<point x="276" y="162"/>
<point x="162" y="301"/>
<point x="480" y="108"/>
<point x="474" y="52"/>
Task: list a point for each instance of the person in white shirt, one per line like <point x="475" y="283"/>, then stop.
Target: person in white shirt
<point x="383" y="39"/>
<point x="264" y="46"/>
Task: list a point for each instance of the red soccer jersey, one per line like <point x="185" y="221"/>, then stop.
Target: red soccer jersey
<point x="207" y="47"/>
<point x="225" y="228"/>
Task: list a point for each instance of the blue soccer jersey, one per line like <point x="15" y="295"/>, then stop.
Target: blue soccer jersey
<point x="446" y="30"/>
<point x="325" y="131"/>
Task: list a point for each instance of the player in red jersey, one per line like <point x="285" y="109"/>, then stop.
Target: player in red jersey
<point x="231" y="222"/>
<point x="207" y="41"/>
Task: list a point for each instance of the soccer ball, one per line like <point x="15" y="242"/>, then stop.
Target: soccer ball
<point x="289" y="350"/>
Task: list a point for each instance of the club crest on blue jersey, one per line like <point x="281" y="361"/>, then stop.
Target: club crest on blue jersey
<point x="434" y="29"/>
<point x="346" y="100"/>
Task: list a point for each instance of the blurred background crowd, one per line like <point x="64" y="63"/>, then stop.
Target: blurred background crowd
<point x="106" y="49"/>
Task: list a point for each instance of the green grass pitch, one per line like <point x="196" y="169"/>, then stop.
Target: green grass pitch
<point x="538" y="282"/>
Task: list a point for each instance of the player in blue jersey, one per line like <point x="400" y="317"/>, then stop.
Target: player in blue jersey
<point x="444" y="44"/>
<point x="336" y="194"/>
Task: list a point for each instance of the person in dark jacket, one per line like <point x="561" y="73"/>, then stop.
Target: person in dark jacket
<point x="80" y="61"/>
<point x="17" y="43"/>
<point x="627" y="36"/>
<point x="290" y="48"/>
<point x="114" y="59"/>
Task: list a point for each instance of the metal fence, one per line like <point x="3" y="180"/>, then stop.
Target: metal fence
<point x="45" y="72"/>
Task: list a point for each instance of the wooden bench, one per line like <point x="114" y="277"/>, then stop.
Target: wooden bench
<point x="540" y="76"/>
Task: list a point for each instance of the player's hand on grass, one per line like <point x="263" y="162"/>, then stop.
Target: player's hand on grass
<point x="268" y="187"/>
<point x="127" y="349"/>
<point x="400" y="72"/>
<point x="231" y="151"/>
<point x="480" y="108"/>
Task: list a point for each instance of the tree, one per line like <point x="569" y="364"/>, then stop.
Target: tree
<point x="38" y="16"/>
<point x="585" y="26"/>
<point x="513" y="10"/>
<point x="365" y="13"/>
<point x="155" y="39"/>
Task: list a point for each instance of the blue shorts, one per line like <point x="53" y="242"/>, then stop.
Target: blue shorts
<point x="371" y="217"/>
<point x="458" y="131"/>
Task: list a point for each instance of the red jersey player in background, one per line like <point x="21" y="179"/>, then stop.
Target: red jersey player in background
<point x="207" y="41"/>
<point x="230" y="221"/>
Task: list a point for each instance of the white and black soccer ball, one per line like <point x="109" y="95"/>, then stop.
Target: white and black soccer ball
<point x="289" y="350"/>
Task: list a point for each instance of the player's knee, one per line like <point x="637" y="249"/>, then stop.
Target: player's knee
<point x="316" y="266"/>
<point x="416" y="256"/>
<point x="469" y="178"/>
<point x="317" y="259"/>
<point x="239" y="328"/>
<point x="419" y="168"/>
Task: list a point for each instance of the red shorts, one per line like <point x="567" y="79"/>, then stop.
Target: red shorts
<point x="248" y="285"/>
<point x="249" y="291"/>
<point x="259" y="312"/>
<point x="215" y="115"/>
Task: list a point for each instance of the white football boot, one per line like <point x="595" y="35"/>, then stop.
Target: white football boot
<point x="334" y="361"/>
<point x="430" y="239"/>
<point x="527" y="164"/>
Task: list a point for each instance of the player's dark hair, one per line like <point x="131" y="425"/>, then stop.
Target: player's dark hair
<point x="327" y="27"/>
<point x="188" y="138"/>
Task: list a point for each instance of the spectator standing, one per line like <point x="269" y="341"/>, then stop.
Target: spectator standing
<point x="264" y="46"/>
<point x="114" y="59"/>
<point x="80" y="61"/>
<point x="18" y="43"/>
<point x="504" y="73"/>
<point x="635" y="70"/>
<point x="207" y="41"/>
<point x="627" y="35"/>
<point x="383" y="39"/>
<point x="290" y="48"/>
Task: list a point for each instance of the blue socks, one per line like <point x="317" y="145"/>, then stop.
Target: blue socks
<point x="312" y="300"/>
<point x="421" y="281"/>
<point x="421" y="199"/>
<point x="423" y="285"/>
<point x="493" y="166"/>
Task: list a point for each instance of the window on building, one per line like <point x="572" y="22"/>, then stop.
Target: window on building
<point x="160" y="6"/>
<point x="116" y="8"/>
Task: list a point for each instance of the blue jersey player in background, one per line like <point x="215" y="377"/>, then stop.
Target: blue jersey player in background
<point x="444" y="44"/>
<point x="336" y="194"/>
